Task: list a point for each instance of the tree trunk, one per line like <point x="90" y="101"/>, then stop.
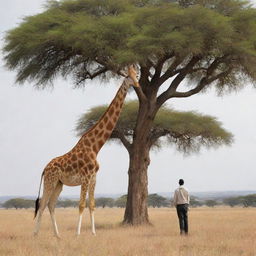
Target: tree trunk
<point x="136" y="212"/>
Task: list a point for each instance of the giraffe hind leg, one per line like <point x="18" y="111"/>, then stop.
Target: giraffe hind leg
<point x="51" y="206"/>
<point x="43" y="203"/>
<point x="49" y="187"/>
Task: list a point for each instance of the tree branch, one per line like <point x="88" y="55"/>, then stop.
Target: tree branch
<point x="116" y="134"/>
<point x="156" y="134"/>
<point x="171" y="71"/>
<point x="203" y="82"/>
<point x="177" y="80"/>
<point x="159" y="66"/>
<point x="91" y="76"/>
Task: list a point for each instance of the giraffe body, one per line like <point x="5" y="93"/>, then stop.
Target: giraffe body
<point x="79" y="166"/>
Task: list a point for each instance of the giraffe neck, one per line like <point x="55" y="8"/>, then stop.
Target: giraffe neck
<point x="97" y="136"/>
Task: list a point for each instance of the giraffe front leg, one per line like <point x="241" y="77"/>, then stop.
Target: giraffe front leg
<point x="92" y="202"/>
<point x="82" y="205"/>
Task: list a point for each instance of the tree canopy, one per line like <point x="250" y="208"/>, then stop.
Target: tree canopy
<point x="188" y="131"/>
<point x="209" y="41"/>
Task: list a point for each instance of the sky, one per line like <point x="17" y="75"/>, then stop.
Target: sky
<point x="38" y="125"/>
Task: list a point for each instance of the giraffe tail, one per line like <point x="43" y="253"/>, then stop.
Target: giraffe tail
<point x="37" y="203"/>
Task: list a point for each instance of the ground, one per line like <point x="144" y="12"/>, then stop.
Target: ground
<point x="213" y="232"/>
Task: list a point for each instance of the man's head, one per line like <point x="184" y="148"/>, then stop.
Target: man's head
<point x="181" y="182"/>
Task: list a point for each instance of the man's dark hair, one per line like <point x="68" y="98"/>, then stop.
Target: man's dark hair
<point x="181" y="182"/>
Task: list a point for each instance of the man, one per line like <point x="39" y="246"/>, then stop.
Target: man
<point x="181" y="202"/>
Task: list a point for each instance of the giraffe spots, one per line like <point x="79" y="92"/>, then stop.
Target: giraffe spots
<point x="61" y="161"/>
<point x="105" y="119"/>
<point x="115" y="119"/>
<point x="84" y="171"/>
<point x="86" y="159"/>
<point x="80" y="155"/>
<point x="93" y="140"/>
<point x="106" y="136"/>
<point x="117" y="113"/>
<point x="110" y="126"/>
<point x="101" y="125"/>
<point x="87" y="143"/>
<point x="90" y="166"/>
<point x="101" y="133"/>
<point x="94" y="148"/>
<point x="96" y="132"/>
<point x="111" y="111"/>
<point x="74" y="157"/>
<point x="89" y="134"/>
<point x="69" y="169"/>
<point x="55" y="165"/>
<point x="80" y="163"/>
<point x="100" y="143"/>
<point x="74" y="165"/>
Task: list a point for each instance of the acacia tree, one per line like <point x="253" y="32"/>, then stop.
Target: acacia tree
<point x="194" y="43"/>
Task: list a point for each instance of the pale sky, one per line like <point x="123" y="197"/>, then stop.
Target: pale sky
<point x="36" y="126"/>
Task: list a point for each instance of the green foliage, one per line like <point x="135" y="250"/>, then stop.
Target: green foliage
<point x="19" y="203"/>
<point x="211" y="203"/>
<point x="90" y="38"/>
<point x="188" y="131"/>
<point x="67" y="203"/>
<point x="246" y="201"/>
<point x="121" y="201"/>
<point x="194" y="202"/>
<point x="105" y="202"/>
<point x="155" y="200"/>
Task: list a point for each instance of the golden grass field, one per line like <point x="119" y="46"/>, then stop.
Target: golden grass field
<point x="213" y="232"/>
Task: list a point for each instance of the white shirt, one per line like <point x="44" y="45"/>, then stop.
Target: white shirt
<point x="181" y="196"/>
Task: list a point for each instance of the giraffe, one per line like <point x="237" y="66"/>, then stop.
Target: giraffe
<point x="79" y="166"/>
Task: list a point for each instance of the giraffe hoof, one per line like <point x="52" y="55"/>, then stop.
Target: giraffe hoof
<point x="93" y="233"/>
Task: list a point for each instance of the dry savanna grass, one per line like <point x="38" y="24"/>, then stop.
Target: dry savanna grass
<point x="213" y="232"/>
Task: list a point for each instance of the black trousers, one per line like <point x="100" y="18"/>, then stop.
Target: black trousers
<point x="182" y="211"/>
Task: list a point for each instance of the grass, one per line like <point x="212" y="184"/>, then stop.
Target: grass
<point x="213" y="232"/>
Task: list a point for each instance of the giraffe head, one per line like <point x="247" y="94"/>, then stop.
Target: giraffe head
<point x="132" y="73"/>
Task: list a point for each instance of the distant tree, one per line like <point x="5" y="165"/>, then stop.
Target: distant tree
<point x="232" y="201"/>
<point x="104" y="202"/>
<point x="249" y="200"/>
<point x="155" y="200"/>
<point x="18" y="203"/>
<point x="121" y="201"/>
<point x="67" y="203"/>
<point x="211" y="203"/>
<point x="194" y="202"/>
<point x="245" y="201"/>
<point x="182" y="48"/>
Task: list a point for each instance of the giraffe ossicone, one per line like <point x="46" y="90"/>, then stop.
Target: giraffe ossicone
<point x="79" y="166"/>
